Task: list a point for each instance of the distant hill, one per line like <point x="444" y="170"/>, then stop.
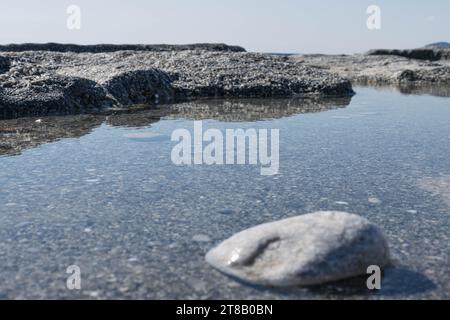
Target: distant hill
<point x="438" y="45"/>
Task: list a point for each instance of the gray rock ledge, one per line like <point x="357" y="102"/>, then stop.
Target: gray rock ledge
<point x="431" y="54"/>
<point x="387" y="69"/>
<point x="98" y="48"/>
<point x="305" y="250"/>
<point x="38" y="83"/>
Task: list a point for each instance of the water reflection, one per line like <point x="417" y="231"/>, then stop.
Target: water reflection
<point x="24" y="133"/>
<point x="254" y="109"/>
<point x="432" y="89"/>
<point x="19" y="134"/>
<point x="114" y="203"/>
<point x="428" y="89"/>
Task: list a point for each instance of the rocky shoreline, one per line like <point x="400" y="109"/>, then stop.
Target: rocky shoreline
<point x="430" y="54"/>
<point x="50" y="82"/>
<point x="401" y="68"/>
<point x="59" y="79"/>
<point x="99" y="48"/>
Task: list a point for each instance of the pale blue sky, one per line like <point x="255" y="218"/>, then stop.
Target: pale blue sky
<point x="322" y="26"/>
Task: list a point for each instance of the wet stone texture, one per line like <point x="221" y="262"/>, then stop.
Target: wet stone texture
<point x="306" y="250"/>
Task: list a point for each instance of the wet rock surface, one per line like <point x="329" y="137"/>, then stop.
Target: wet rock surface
<point x="305" y="250"/>
<point x="49" y="82"/>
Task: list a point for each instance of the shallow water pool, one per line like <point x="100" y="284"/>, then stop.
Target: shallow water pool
<point x="102" y="193"/>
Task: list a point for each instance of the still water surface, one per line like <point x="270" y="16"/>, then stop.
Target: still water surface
<point x="102" y="193"/>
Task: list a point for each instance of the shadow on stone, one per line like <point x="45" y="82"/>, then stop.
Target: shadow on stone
<point x="396" y="281"/>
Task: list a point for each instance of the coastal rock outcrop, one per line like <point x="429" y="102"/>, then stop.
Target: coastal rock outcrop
<point x="305" y="250"/>
<point x="430" y="54"/>
<point x="50" y="95"/>
<point x="203" y="74"/>
<point x="98" y="48"/>
<point x="141" y="87"/>
<point x="55" y="82"/>
<point x="382" y="69"/>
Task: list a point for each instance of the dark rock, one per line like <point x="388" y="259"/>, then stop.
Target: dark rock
<point x="141" y="87"/>
<point x="99" y="48"/>
<point x="4" y="64"/>
<point x="53" y="95"/>
<point x="430" y="54"/>
<point x="407" y="75"/>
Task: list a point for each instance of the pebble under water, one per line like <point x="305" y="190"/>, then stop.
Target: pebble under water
<point x="102" y="193"/>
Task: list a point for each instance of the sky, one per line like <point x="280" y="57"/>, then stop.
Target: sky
<point x="288" y="26"/>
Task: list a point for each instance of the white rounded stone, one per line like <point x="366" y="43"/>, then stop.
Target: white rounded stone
<point x="305" y="250"/>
